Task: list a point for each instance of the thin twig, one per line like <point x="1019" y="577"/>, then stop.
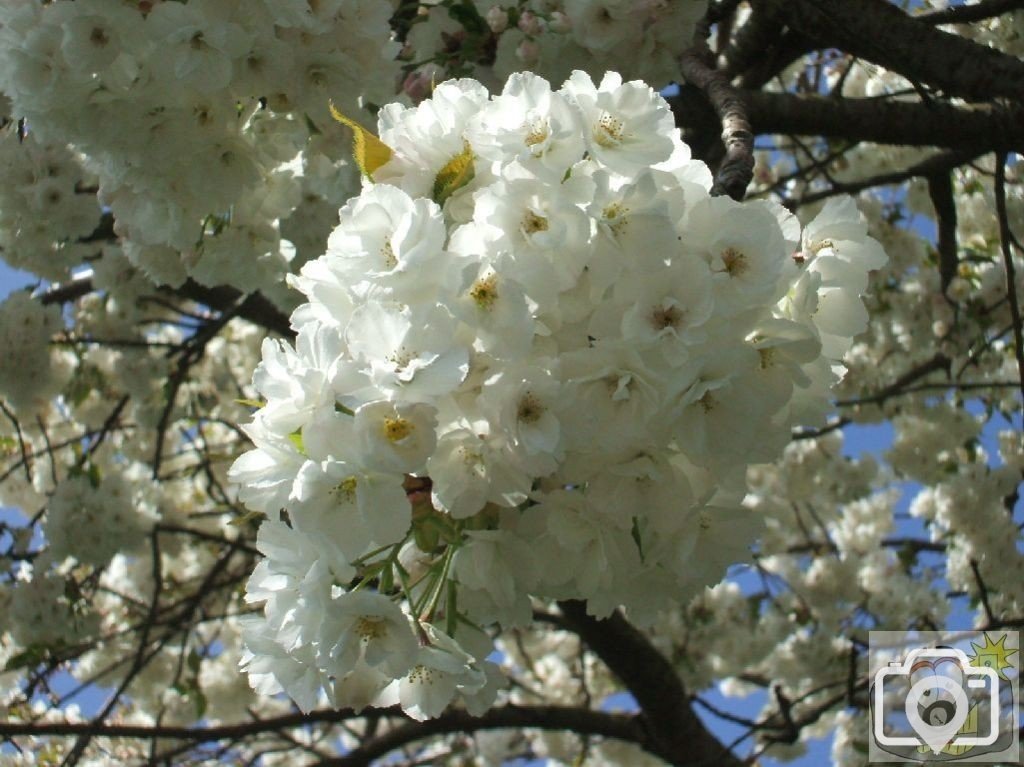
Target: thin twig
<point x="1005" y="237"/>
<point x="25" y="457"/>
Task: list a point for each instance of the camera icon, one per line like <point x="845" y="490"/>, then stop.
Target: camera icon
<point x="939" y="689"/>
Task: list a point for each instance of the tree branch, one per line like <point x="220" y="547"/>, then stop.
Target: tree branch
<point x="1005" y="239"/>
<point x="10" y="729"/>
<point x="940" y="189"/>
<point x="761" y="31"/>
<point x="880" y="32"/>
<point x="938" y="362"/>
<point x="737" y="168"/>
<point x="255" y="308"/>
<point x="965" y="14"/>
<point x="675" y="732"/>
<point x="582" y="721"/>
<point x="885" y="121"/>
<point x="937" y="164"/>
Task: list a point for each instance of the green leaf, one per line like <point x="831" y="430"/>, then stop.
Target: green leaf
<point x="368" y="151"/>
<point x="249" y="516"/>
<point x="427" y="536"/>
<point x="635" y="532"/>
<point x="469" y="17"/>
<point x="454" y="175"/>
<point x="89" y="470"/>
<point x="296" y="439"/>
<point x="451" y="608"/>
<point x="200" y="702"/>
<point x="31" y="656"/>
<point x="387" y="579"/>
<point x="86" y="379"/>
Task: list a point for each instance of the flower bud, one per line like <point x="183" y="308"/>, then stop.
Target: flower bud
<point x="559" y="23"/>
<point x="528" y="52"/>
<point x="530" y="23"/>
<point x="497" y="19"/>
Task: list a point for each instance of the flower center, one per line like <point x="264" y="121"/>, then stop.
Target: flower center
<point x="397" y="429"/>
<point x="387" y="254"/>
<point x="608" y="131"/>
<point x="537" y="133"/>
<point x="532" y="223"/>
<point x="663" y="317"/>
<point x="615" y="217"/>
<point x="370" y="628"/>
<point x="530" y="408"/>
<point x="485" y="291"/>
<point x="345" y="491"/>
<point x="735" y="262"/>
<point x="471" y="458"/>
<point x="420" y="674"/>
<point x="619" y="385"/>
<point x="401" y="358"/>
<point x="316" y="77"/>
<point x="821" y="245"/>
<point x="98" y="37"/>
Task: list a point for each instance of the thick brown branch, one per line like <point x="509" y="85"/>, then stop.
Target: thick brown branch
<point x="751" y="41"/>
<point x="737" y="168"/>
<point x="66" y="292"/>
<point x="256" y="308"/>
<point x="885" y="121"/>
<point x="940" y="189"/>
<point x="789" y="47"/>
<point x="880" y="32"/>
<point x="965" y="14"/>
<point x="675" y="732"/>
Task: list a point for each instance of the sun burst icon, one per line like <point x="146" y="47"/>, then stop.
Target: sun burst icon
<point x="993" y="655"/>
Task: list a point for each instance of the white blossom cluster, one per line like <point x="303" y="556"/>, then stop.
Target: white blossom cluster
<point x="642" y="39"/>
<point x="191" y="115"/>
<point x="536" y="360"/>
<point x="30" y="373"/>
<point x="47" y="205"/>
<point x="92" y="520"/>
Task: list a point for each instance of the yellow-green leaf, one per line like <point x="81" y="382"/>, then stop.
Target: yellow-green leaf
<point x="454" y="175"/>
<point x="368" y="150"/>
<point x="249" y="516"/>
